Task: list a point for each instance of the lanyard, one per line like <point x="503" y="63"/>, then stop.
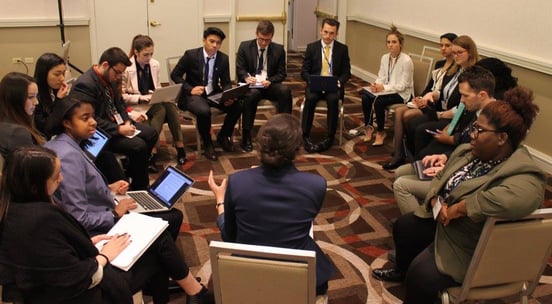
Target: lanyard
<point x="391" y="67"/>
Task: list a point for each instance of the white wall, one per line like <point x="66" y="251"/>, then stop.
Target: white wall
<point x="515" y="27"/>
<point x="15" y="9"/>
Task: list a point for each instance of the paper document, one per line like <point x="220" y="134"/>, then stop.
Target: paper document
<point x="143" y="230"/>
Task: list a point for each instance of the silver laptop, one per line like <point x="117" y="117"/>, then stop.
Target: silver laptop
<point x="166" y="94"/>
<point x="163" y="193"/>
<point x="232" y="93"/>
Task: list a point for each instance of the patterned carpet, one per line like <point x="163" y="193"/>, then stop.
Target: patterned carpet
<point x="353" y="227"/>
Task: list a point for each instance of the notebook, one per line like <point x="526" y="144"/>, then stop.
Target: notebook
<point x="368" y="91"/>
<point x="322" y="83"/>
<point x="232" y="93"/>
<point x="163" y="193"/>
<point x="95" y="144"/>
<point x="166" y="94"/>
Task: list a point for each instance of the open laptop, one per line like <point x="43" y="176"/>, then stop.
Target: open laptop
<point x="95" y="144"/>
<point x="166" y="94"/>
<point x="163" y="193"/>
<point x="232" y="93"/>
<point x="418" y="165"/>
<point x="323" y="83"/>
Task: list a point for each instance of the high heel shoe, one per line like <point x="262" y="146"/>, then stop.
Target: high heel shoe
<point x="380" y="138"/>
<point x="368" y="132"/>
<point x="180" y="156"/>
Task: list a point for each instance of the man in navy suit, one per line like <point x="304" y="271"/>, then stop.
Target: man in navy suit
<point x="205" y="71"/>
<point x="262" y="63"/>
<point x="326" y="57"/>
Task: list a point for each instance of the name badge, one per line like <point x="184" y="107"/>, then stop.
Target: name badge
<point x="118" y="119"/>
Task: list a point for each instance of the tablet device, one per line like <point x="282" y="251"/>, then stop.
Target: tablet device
<point x="95" y="144"/>
<point x="318" y="83"/>
<point x="232" y="93"/>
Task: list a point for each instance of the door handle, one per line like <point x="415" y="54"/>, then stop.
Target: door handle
<point x="154" y="23"/>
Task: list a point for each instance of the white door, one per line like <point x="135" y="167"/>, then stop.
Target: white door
<point x="174" y="26"/>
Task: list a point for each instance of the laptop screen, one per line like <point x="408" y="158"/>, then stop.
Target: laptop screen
<point x="170" y="186"/>
<point x="94" y="145"/>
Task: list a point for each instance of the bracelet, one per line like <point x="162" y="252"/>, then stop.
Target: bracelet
<point x="105" y="257"/>
<point x="219" y="204"/>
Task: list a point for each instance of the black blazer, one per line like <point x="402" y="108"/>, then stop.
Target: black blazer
<point x="190" y="67"/>
<point x="341" y="65"/>
<point x="88" y="87"/>
<point x="248" y="56"/>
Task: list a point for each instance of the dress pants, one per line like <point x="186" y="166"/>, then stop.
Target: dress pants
<point x="276" y="92"/>
<point x="378" y="104"/>
<point x="137" y="150"/>
<point x="408" y="189"/>
<point x="200" y="106"/>
<point x="165" y="112"/>
<point x="332" y="100"/>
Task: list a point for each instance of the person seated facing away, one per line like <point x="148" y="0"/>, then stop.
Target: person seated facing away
<point x="405" y="113"/>
<point x="267" y="205"/>
<point x="493" y="176"/>
<point x="140" y="79"/>
<point x="101" y="86"/>
<point x="57" y="261"/>
<point x="205" y="71"/>
<point x="395" y="79"/>
<point x="325" y="57"/>
<point x="262" y="61"/>
<point x="18" y="100"/>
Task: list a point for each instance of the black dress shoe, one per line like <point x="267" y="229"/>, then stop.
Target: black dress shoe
<point x="202" y="297"/>
<point x="246" y="143"/>
<point x="388" y="274"/>
<point x="226" y="143"/>
<point x="210" y="152"/>
<point x="309" y="146"/>
<point x="152" y="168"/>
<point x="392" y="165"/>
<point x="324" y="145"/>
<point x="180" y="156"/>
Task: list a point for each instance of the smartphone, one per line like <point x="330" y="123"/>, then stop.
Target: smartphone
<point x="431" y="132"/>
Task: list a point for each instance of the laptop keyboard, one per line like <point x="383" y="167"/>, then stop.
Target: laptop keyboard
<point x="145" y="201"/>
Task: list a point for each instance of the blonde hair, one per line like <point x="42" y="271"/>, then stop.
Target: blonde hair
<point x="468" y="44"/>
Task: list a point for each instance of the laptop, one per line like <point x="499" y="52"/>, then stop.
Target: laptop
<point x="95" y="144"/>
<point x="163" y="193"/>
<point x="418" y="165"/>
<point x="165" y="94"/>
<point x="323" y="83"/>
<point x="232" y="93"/>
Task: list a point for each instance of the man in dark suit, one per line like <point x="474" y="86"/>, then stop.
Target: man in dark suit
<point x="203" y="72"/>
<point x="262" y="63"/>
<point x="324" y="57"/>
<point x="101" y="86"/>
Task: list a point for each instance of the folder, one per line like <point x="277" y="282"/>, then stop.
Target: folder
<point x="455" y="118"/>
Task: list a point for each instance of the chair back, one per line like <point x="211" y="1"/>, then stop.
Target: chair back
<point x="262" y="274"/>
<point x="509" y="258"/>
<point x="171" y="62"/>
<point x="422" y="72"/>
<point x="432" y="52"/>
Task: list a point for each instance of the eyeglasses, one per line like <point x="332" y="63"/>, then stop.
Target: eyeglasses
<point x="117" y="72"/>
<point x="458" y="53"/>
<point x="265" y="40"/>
<point x="476" y="129"/>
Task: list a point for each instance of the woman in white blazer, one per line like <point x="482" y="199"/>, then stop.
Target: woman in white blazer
<point x="393" y="85"/>
<point x="139" y="81"/>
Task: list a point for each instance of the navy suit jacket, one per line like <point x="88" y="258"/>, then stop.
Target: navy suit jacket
<point x="248" y="57"/>
<point x="341" y="64"/>
<point x="276" y="208"/>
<point x="190" y="67"/>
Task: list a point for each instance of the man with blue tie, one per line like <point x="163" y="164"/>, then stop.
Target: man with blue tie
<point x="262" y="63"/>
<point x="205" y="71"/>
<point x="325" y="57"/>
